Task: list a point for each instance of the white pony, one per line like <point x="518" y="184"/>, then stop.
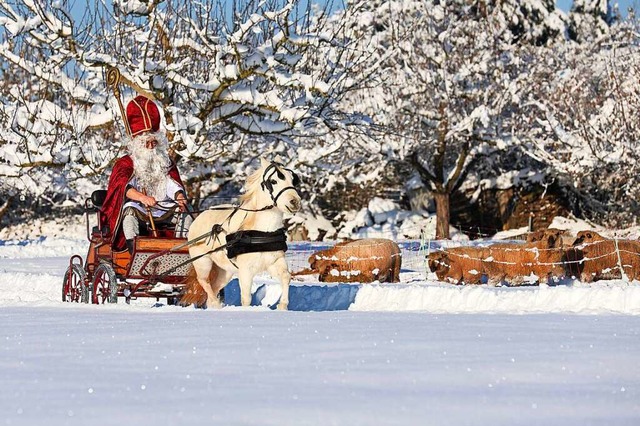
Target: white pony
<point x="269" y="192"/>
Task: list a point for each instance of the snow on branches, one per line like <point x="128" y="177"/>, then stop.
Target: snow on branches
<point x="233" y="82"/>
<point x="458" y="92"/>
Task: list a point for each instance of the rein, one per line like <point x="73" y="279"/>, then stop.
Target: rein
<point x="238" y="207"/>
<point x="216" y="230"/>
<point x="272" y="169"/>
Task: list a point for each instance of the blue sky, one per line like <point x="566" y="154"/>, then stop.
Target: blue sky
<point x="562" y="4"/>
<point x="622" y="4"/>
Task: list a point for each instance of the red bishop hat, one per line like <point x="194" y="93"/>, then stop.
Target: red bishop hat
<point x="142" y="116"/>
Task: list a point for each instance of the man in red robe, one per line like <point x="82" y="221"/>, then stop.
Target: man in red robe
<point x="146" y="181"/>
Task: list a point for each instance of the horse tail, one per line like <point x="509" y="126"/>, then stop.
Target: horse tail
<point x="193" y="292"/>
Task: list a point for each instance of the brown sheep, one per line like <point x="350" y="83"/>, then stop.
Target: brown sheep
<point x="551" y="237"/>
<point x="598" y="257"/>
<point x="364" y="261"/>
<point x="500" y="261"/>
<point x="542" y="256"/>
<point x="458" y="265"/>
<point x="515" y="264"/>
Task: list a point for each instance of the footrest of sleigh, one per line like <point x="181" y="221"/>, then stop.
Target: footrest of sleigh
<point x="148" y="263"/>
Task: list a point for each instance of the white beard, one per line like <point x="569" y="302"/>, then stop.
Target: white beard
<point x="151" y="166"/>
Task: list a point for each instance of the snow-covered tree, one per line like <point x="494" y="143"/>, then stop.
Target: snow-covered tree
<point x="589" y="19"/>
<point x="580" y="119"/>
<point x="451" y="86"/>
<point x="457" y="93"/>
<point x="536" y="22"/>
<point x="234" y="82"/>
<point x="532" y="99"/>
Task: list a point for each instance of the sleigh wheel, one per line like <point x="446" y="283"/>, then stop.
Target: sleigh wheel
<point x="74" y="286"/>
<point x="105" y="285"/>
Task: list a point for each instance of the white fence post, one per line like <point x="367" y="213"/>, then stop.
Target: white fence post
<point x="425" y="260"/>
<point x="623" y="274"/>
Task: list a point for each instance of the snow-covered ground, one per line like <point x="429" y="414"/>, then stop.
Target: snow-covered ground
<point x="415" y="353"/>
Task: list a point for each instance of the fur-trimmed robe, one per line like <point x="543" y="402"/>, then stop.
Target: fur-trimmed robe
<point x="110" y="212"/>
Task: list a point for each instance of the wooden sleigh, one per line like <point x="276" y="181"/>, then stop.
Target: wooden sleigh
<point x="157" y="267"/>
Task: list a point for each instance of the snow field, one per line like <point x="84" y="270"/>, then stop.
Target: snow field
<point x="149" y="363"/>
<point x="31" y="274"/>
<point x="248" y="366"/>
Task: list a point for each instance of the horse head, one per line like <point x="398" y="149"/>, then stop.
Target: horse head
<point x="280" y="184"/>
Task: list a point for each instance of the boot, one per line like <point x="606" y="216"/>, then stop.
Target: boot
<point x="130" y="246"/>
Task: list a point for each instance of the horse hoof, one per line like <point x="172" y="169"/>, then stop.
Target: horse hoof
<point x="283" y="306"/>
<point x="214" y="305"/>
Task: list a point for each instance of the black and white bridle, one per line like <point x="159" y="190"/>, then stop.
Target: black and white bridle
<point x="268" y="181"/>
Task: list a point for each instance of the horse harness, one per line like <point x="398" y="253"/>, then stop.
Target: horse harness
<point x="239" y="242"/>
<point x="251" y="241"/>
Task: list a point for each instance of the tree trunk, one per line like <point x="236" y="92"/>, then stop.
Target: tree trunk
<point x="442" y="215"/>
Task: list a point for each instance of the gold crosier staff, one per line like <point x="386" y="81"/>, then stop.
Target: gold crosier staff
<point x="113" y="81"/>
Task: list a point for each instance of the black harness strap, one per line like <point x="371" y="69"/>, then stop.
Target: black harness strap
<point x="286" y="188"/>
<point x="250" y="241"/>
<point x="237" y="243"/>
<point x="216" y="230"/>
